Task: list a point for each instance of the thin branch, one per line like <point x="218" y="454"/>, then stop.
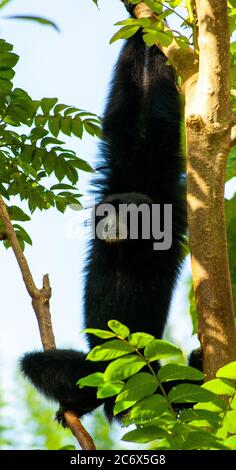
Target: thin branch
<point x="79" y="431"/>
<point x="40" y="301"/>
<point x="176" y="13"/>
<point x="195" y="25"/>
<point x="20" y="257"/>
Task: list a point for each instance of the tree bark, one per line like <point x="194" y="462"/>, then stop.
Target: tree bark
<point x="208" y="129"/>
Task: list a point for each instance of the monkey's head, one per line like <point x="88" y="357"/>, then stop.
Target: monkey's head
<point x="121" y="217"/>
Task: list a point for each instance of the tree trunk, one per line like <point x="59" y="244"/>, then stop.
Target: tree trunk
<point x="208" y="130"/>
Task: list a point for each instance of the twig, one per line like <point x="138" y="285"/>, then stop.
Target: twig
<point x="40" y="301"/>
<point x="195" y="24"/>
<point x="40" y="297"/>
<point x="79" y="431"/>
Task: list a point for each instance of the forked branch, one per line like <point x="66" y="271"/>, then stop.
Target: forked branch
<point x="41" y="304"/>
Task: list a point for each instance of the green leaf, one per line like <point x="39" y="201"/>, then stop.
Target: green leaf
<point x="92" y="380"/>
<point x="36" y="19"/>
<point x="37" y="159"/>
<point x="4" y="192"/>
<point x="37" y="133"/>
<point x="216" y="405"/>
<point x="119" y="329"/>
<point x="69" y="447"/>
<point x="211" y="418"/>
<point x="109" y="389"/>
<point x="5" y="46"/>
<point x="99" y="333"/>
<point x="71" y="173"/>
<point x="188" y="393"/>
<point x="202" y="440"/>
<point x="60" y="107"/>
<point x="92" y="129"/>
<point x="8" y="59"/>
<point x="122" y="406"/>
<point x="62" y="186"/>
<point x="5" y="86"/>
<point x="81" y="164"/>
<point x="231" y="442"/>
<point x="179" y="372"/>
<point x="123" y="368"/>
<point x="220" y="387"/>
<point x="70" y="110"/>
<point x="164" y="38"/>
<point x="155" y="5"/>
<point x="228" y="371"/>
<point x="61" y="205"/>
<point x="77" y="127"/>
<point x="7" y="74"/>
<point x="160" y="349"/>
<point x="24" y="235"/>
<point x="40" y="120"/>
<point x="144" y="435"/>
<point x="149" y="408"/>
<point x="138" y="387"/>
<point x="124" y="33"/>
<point x="230" y="421"/>
<point x="50" y="140"/>
<point x="65" y="126"/>
<point x="47" y="104"/>
<point x="49" y="162"/>
<point x="140" y="340"/>
<point x="54" y="125"/>
<point x="109" y="350"/>
<point x="60" y="169"/>
<point x="17" y="214"/>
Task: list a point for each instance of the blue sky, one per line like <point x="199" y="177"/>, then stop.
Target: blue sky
<point x="74" y="66"/>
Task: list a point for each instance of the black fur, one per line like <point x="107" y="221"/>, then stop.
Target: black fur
<point x="129" y="6"/>
<point x="127" y="281"/>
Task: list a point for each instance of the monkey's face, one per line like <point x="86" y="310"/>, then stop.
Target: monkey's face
<point x="121" y="217"/>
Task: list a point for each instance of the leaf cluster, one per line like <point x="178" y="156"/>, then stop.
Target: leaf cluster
<point x="167" y="404"/>
<point x="34" y="163"/>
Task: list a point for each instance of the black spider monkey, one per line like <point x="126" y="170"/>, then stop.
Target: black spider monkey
<point x="127" y="280"/>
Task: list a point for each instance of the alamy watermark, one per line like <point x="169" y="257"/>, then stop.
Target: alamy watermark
<point x="117" y="222"/>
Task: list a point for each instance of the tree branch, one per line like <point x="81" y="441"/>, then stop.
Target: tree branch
<point x="194" y="23"/>
<point x="79" y="431"/>
<point x="40" y="301"/>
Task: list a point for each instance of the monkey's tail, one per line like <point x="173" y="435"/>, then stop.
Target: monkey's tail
<point x="55" y="373"/>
